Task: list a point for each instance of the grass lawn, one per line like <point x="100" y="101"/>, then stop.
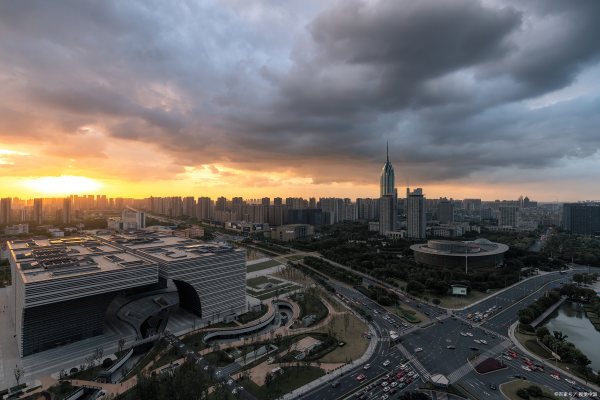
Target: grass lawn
<point x="295" y="258"/>
<point x="292" y="378"/>
<point x="168" y="357"/>
<point x="260" y="280"/>
<point x="218" y="358"/>
<point x="531" y="344"/>
<point x="278" y="291"/>
<point x="347" y="328"/>
<point x="262" y="265"/>
<point x="408" y="314"/>
<point x="194" y="341"/>
<point x="463" y="301"/>
<point x="510" y="390"/>
<point x="312" y="305"/>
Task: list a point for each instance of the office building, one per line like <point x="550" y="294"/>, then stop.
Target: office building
<point x="387" y="197"/>
<point x="287" y="233"/>
<point x="310" y="216"/>
<point x="367" y="209"/>
<point x="415" y="214"/>
<point x="509" y="216"/>
<point x="445" y="211"/>
<point x="581" y="218"/>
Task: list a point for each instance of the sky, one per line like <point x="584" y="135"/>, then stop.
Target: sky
<point x="476" y="98"/>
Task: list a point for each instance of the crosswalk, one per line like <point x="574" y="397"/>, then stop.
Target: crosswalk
<point x="425" y="375"/>
<point x="468" y="366"/>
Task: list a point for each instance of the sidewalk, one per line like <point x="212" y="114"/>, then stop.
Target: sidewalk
<point x="511" y="334"/>
<point x="340" y="371"/>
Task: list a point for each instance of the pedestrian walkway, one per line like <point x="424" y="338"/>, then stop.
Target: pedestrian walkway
<point x="469" y="365"/>
<point x="425" y="375"/>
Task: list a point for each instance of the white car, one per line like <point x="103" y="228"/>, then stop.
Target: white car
<point x="384" y="383"/>
<point x="555" y="376"/>
<point x="469" y="334"/>
<point x="482" y="341"/>
<point x="386" y="389"/>
<point x="463" y="334"/>
<point x="411" y="373"/>
<point x="525" y="367"/>
<point x="394" y="384"/>
<point x="477" y="340"/>
<point x="386" y="363"/>
<point x="571" y="381"/>
<point x="367" y="366"/>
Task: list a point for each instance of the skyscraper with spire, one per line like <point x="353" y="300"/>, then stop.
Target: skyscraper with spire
<point x="387" y="199"/>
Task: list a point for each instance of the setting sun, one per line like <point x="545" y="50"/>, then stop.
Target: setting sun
<point x="62" y="185"/>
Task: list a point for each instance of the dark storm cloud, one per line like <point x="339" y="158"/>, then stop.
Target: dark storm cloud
<point x="311" y="83"/>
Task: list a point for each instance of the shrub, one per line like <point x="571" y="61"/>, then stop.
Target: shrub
<point x="73" y="370"/>
<point x="107" y="363"/>
<point x="535" y="391"/>
<point x="523" y="393"/>
<point x="436" y="301"/>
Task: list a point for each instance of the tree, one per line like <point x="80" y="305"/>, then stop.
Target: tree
<point x="18" y="372"/>
<point x="523" y="393"/>
<point x="561" y="337"/>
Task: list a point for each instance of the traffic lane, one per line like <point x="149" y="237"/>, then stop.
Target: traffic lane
<point x="435" y="341"/>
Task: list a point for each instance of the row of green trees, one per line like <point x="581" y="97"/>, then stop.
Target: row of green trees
<point x="537" y="308"/>
<point x="557" y="342"/>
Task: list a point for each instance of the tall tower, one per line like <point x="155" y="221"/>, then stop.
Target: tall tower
<point x="387" y="199"/>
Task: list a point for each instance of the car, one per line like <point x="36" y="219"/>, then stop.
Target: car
<point x="360" y="377"/>
<point x="367" y="366"/>
<point x="555" y="376"/>
<point x="477" y="340"/>
<point x="418" y="349"/>
<point x="386" y="389"/>
<point x="385" y="397"/>
<point x="393" y="390"/>
<point x="402" y="379"/>
<point x="394" y="384"/>
<point x="401" y="385"/>
<point x="450" y="347"/>
<point x="570" y="381"/>
<point x="469" y="334"/>
<point x="408" y="381"/>
<point x="411" y="373"/>
<point x="234" y="391"/>
<point x="493" y="386"/>
<point x="230" y="382"/>
<point x="474" y="348"/>
<point x="526" y="367"/>
<point x="482" y="341"/>
<point x="463" y="334"/>
<point x="386" y="363"/>
<point x="415" y="376"/>
<point x="384" y="383"/>
<point x="507" y="358"/>
<point x="335" y="384"/>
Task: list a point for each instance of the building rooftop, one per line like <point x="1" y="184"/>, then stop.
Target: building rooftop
<point x="477" y="248"/>
<point x="162" y="247"/>
<point x="47" y="259"/>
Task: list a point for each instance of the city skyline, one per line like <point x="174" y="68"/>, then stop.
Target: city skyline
<point x="300" y="99"/>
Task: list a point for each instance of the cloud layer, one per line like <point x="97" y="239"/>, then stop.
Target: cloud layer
<point x="495" y="92"/>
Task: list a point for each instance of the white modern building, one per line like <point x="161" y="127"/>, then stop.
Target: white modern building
<point x="63" y="287"/>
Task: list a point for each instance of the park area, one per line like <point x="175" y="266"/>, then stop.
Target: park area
<point x="291" y="378"/>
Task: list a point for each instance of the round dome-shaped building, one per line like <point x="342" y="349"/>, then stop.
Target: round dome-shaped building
<point x="447" y="253"/>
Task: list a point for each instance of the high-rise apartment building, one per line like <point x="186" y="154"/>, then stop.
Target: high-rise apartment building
<point x="5" y="210"/>
<point x="278" y="201"/>
<point x="67" y="211"/>
<point x="581" y="218"/>
<point x="415" y="214"/>
<point x="38" y="211"/>
<point x="205" y="206"/>
<point x="387" y="199"/>
<point x="367" y="209"/>
<point x="189" y="206"/>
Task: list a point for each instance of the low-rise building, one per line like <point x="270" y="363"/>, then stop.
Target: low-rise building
<point x="287" y="233"/>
